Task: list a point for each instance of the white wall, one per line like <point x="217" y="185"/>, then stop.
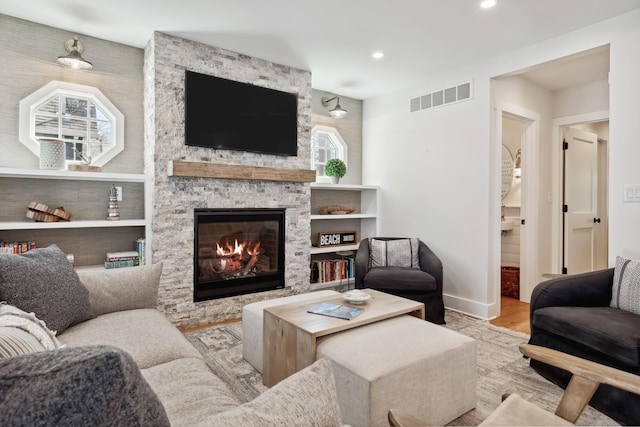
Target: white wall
<point x="438" y="169"/>
<point x="581" y="99"/>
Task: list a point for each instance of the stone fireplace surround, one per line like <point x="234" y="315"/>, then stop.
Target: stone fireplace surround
<point x="172" y="199"/>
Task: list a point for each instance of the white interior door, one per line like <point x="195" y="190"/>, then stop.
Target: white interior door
<point x="580" y="200"/>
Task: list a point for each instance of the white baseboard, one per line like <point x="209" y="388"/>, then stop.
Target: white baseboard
<point x="469" y="307"/>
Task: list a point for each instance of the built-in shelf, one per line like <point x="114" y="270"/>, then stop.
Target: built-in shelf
<point x="346" y="216"/>
<point x="364" y="199"/>
<point x="184" y="168"/>
<point x="331" y="249"/>
<point x="321" y="285"/>
<point x="93" y="268"/>
<point x="70" y="175"/>
<point x="344" y="187"/>
<point x="24" y="225"/>
<point x="89" y="238"/>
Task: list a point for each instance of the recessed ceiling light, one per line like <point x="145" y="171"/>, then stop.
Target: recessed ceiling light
<point x="377" y="55"/>
<point x="488" y="4"/>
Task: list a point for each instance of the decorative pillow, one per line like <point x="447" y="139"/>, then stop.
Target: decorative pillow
<point x="121" y="289"/>
<point x="394" y="253"/>
<point x="23" y="333"/>
<point x="16" y="342"/>
<point x="307" y="398"/>
<point x="625" y="293"/>
<point x="43" y="282"/>
<point x="77" y="386"/>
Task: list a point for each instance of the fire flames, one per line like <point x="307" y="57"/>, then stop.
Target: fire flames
<point x="237" y="249"/>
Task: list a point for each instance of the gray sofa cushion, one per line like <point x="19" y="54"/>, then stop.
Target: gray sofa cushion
<point x="609" y="331"/>
<point x="91" y="386"/>
<point x="189" y="391"/>
<point x="307" y="398"/>
<point x="406" y="279"/>
<point x="145" y="334"/>
<point x="42" y="281"/>
<point x="122" y="289"/>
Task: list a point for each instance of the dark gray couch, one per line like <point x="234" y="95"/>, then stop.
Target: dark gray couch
<point x="423" y="285"/>
<point x="572" y="314"/>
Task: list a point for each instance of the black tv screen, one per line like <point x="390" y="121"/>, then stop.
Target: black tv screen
<point x="225" y="114"/>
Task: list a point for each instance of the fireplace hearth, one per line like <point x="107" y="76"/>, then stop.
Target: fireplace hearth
<point x="237" y="251"/>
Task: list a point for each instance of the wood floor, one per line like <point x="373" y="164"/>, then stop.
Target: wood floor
<point x="514" y="315"/>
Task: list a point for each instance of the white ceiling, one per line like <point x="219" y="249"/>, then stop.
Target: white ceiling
<point x="333" y="39"/>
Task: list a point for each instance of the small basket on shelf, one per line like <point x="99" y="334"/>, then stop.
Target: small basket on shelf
<point x="337" y="210"/>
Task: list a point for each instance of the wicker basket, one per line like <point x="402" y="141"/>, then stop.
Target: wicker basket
<point x="510" y="282"/>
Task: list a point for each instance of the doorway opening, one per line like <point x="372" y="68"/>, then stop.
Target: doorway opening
<point x="517" y="130"/>
<point x="582" y="212"/>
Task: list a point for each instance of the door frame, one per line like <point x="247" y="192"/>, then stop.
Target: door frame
<point x="530" y="121"/>
<point x="556" y="179"/>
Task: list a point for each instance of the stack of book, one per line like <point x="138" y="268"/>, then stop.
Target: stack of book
<point x="329" y="270"/>
<point x="16" y="247"/>
<point x="122" y="259"/>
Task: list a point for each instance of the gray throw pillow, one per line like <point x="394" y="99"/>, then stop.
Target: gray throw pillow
<point x="625" y="293"/>
<point x="43" y="282"/>
<point x="394" y="253"/>
<point x="77" y="386"/>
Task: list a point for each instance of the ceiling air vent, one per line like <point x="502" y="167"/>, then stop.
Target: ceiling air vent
<point x="438" y="98"/>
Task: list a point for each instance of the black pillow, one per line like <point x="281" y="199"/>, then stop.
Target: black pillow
<point x="42" y="281"/>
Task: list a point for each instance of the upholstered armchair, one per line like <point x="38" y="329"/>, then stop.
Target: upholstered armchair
<point x="402" y="267"/>
<point x="573" y="314"/>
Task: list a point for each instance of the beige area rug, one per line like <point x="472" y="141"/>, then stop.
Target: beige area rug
<point x="501" y="368"/>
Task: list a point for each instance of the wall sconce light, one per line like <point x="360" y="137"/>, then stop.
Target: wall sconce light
<point x="74" y="59"/>
<point x="338" y="112"/>
<point x="517" y="170"/>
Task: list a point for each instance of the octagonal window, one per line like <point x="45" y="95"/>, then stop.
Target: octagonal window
<point x="326" y="144"/>
<point x="89" y="124"/>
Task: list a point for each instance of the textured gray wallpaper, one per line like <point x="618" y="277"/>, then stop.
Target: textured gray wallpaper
<point x="29" y="53"/>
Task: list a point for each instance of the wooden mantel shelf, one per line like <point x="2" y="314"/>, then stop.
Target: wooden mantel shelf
<point x="186" y="168"/>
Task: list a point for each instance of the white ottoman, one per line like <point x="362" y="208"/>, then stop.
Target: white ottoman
<point x="252" y="320"/>
<point x="405" y="363"/>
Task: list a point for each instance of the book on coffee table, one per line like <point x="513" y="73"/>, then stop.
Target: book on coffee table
<point x="335" y="310"/>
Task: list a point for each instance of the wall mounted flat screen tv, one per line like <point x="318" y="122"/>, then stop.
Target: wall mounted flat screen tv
<point x="225" y="114"/>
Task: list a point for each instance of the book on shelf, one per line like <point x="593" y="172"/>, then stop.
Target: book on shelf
<point x="16" y="247"/>
<point x="335" y="310"/>
<point x="115" y="256"/>
<point x="123" y="258"/>
<point x="121" y="264"/>
<point x="141" y="247"/>
<point x="329" y="270"/>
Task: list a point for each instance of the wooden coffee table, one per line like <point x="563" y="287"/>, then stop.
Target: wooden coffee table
<point x="290" y="333"/>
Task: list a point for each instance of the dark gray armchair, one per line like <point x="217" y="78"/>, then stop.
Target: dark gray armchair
<point x="423" y="284"/>
<point x="572" y="314"/>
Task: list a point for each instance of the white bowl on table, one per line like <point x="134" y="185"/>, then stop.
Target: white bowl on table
<point x="356" y="296"/>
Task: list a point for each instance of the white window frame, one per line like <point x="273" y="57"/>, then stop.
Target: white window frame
<point x="341" y="148"/>
<point x="30" y="104"/>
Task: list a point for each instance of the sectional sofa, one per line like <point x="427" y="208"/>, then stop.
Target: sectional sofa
<point x="116" y="360"/>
